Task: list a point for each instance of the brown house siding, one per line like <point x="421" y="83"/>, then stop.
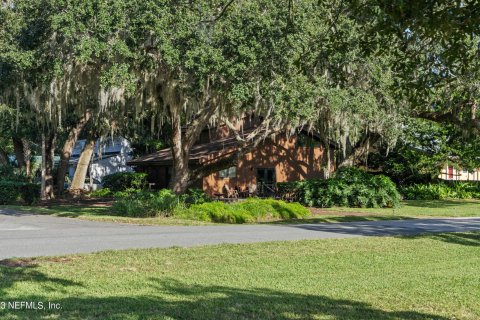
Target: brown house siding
<point x="291" y="163"/>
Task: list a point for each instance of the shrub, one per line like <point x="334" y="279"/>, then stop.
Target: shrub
<point x="348" y="187"/>
<point x="11" y="191"/>
<point x="196" y="196"/>
<point x="30" y="192"/>
<point x="122" y="181"/>
<point x="10" y="173"/>
<point x="147" y="204"/>
<point x="440" y="191"/>
<point x="216" y="212"/>
<point x="250" y="210"/>
<point x="101" y="193"/>
<point x="197" y="205"/>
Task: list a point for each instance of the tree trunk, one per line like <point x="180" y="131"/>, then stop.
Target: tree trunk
<point x="43" y="194"/>
<point x="3" y="157"/>
<point x="358" y="153"/>
<point x="68" y="149"/>
<point x="27" y="155"/>
<point x="78" y="182"/>
<point x="180" y="154"/>
<point x="21" y="147"/>
<point x="48" y="148"/>
<point x="18" y="150"/>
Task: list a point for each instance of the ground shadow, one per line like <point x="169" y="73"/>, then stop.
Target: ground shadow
<point x="459" y="238"/>
<point x="442" y="203"/>
<point x="175" y="300"/>
<point x="343" y="218"/>
<point x="65" y="211"/>
<point x="395" y="228"/>
<point x="15" y="271"/>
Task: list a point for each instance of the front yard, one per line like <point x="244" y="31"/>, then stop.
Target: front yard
<point x="409" y="209"/>
<point x="422" y="277"/>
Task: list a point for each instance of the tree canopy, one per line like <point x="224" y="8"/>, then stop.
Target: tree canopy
<point x="354" y="71"/>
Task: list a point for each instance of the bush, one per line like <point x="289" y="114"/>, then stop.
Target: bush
<point x="10" y="173"/>
<point x="122" y="181"/>
<point x="216" y="212"/>
<point x="101" y="193"/>
<point x="350" y="187"/>
<point x="147" y="204"/>
<point x="250" y="210"/>
<point x="166" y="203"/>
<point x="196" y="196"/>
<point x="30" y="192"/>
<point x="11" y="191"/>
<point x="440" y="191"/>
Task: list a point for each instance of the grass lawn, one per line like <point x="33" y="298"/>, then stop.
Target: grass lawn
<point x="422" y="277"/>
<point x="103" y="214"/>
<point x="408" y="210"/>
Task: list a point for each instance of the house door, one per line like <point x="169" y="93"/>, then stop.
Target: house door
<point x="266" y="181"/>
<point x="450" y="172"/>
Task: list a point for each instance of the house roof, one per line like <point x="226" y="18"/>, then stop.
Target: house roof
<point x="107" y="146"/>
<point x="197" y="152"/>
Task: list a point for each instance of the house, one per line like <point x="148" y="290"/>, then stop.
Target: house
<point x="282" y="158"/>
<point x="110" y="156"/>
<point x="450" y="172"/>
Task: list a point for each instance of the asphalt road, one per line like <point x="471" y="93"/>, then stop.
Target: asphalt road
<point x="27" y="235"/>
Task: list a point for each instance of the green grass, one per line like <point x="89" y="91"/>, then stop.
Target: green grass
<point x="104" y="214"/>
<point x="422" y="208"/>
<point x="408" y="210"/>
<point x="422" y="277"/>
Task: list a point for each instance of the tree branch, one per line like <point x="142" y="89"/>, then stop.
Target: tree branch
<point x="198" y="123"/>
<point x="449" y="117"/>
<point x="222" y="12"/>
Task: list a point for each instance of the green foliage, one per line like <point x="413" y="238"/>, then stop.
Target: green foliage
<point x="349" y="69"/>
<point x="122" y="181"/>
<point x="349" y="187"/>
<point x="196" y="196"/>
<point x="11" y="191"/>
<point x="147" y="204"/>
<point x="29" y="192"/>
<point x="441" y="191"/>
<point x="196" y="205"/>
<point x="101" y="193"/>
<point x="250" y="210"/>
<point x="11" y="173"/>
<point x="424" y="148"/>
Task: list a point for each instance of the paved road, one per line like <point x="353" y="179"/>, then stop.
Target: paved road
<point x="26" y="235"/>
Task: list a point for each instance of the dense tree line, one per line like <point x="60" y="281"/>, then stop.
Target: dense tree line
<point x="355" y="71"/>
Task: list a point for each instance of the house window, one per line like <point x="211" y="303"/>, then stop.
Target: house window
<point x="304" y="140"/>
<point x="228" y="173"/>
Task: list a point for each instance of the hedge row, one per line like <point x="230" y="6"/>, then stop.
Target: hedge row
<point x="440" y="191"/>
<point x="249" y="210"/>
<point x="196" y="205"/>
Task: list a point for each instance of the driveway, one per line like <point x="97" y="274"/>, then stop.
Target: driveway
<point x="27" y="235"/>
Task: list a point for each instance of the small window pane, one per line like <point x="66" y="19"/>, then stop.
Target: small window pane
<point x="232" y="172"/>
<point x="228" y="173"/>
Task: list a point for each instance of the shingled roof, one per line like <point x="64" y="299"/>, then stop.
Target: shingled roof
<point x="197" y="152"/>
